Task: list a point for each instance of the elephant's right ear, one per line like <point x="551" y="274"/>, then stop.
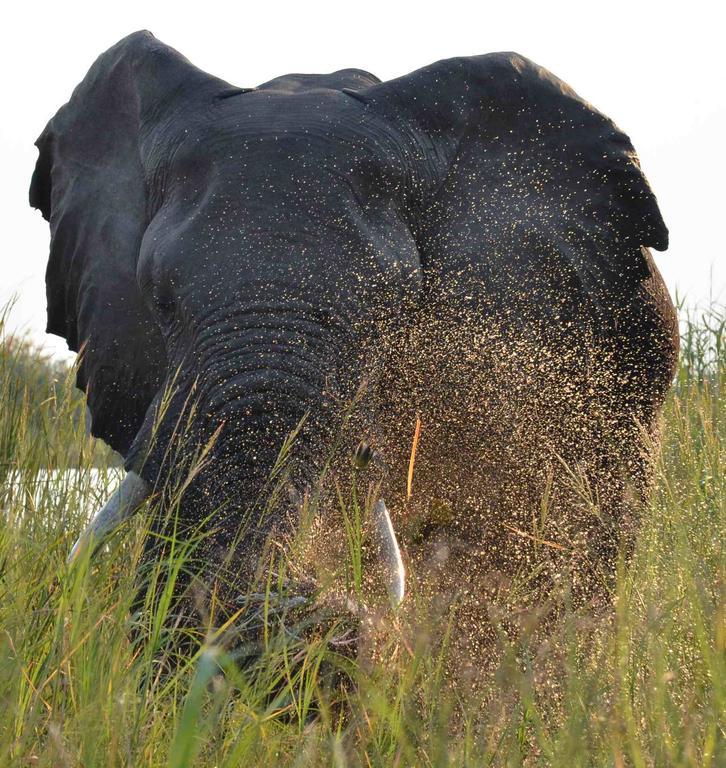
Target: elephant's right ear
<point x="97" y="181"/>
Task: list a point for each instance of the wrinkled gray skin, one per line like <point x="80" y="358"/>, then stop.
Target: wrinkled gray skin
<point x="251" y="246"/>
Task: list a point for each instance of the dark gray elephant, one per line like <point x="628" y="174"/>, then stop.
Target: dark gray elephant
<point x="471" y="240"/>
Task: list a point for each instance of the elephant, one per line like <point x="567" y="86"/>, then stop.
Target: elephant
<point x="467" y="245"/>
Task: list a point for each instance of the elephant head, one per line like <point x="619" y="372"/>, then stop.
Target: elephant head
<point x="243" y="249"/>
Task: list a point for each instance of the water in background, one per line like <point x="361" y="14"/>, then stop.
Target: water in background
<point x="55" y="496"/>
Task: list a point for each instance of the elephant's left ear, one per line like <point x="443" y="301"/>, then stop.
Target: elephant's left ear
<point x="509" y="166"/>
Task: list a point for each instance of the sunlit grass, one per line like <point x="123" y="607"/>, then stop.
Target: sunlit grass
<point x="86" y="678"/>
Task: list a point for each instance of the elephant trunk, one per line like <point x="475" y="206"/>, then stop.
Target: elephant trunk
<point x="250" y="385"/>
<point x="241" y="380"/>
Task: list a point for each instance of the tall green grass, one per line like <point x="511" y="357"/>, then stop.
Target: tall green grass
<point x="85" y="679"/>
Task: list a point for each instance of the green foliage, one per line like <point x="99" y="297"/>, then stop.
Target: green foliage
<point x="38" y="396"/>
<point x="86" y="680"/>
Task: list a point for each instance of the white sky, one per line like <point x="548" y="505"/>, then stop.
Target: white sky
<point x="657" y="71"/>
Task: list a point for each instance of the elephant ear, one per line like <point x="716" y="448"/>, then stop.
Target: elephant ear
<point x="518" y="187"/>
<point x="97" y="181"/>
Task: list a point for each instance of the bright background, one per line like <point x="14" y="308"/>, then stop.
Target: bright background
<point x="657" y="71"/>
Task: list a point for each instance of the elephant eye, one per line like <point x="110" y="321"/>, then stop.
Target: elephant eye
<point x="145" y="283"/>
<point x="157" y="293"/>
<point x="164" y="299"/>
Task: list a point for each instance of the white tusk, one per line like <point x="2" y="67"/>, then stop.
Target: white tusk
<point x="119" y="508"/>
<point x="390" y="552"/>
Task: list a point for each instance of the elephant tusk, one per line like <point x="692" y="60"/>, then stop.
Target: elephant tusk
<point x="119" y="508"/>
<point x="390" y="553"/>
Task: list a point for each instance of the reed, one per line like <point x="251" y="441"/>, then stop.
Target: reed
<point x="86" y="679"/>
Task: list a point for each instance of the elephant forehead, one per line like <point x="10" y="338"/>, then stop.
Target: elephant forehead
<point x="267" y="134"/>
<point x="283" y="183"/>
